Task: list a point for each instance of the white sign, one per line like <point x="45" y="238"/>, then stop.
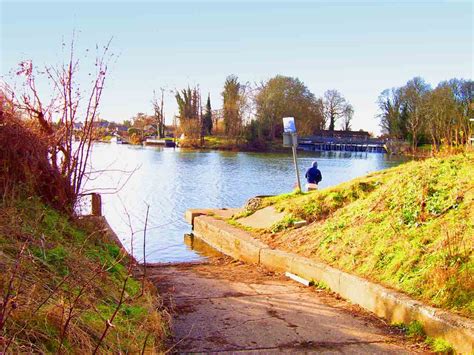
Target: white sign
<point x="289" y="125"/>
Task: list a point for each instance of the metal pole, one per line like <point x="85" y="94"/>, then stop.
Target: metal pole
<point x="295" y="160"/>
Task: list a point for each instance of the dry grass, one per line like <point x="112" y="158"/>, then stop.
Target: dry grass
<point x="62" y="290"/>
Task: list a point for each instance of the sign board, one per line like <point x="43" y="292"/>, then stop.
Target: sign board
<point x="290" y="140"/>
<point x="289" y="125"/>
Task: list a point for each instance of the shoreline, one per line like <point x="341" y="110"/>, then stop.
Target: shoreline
<point x="420" y="154"/>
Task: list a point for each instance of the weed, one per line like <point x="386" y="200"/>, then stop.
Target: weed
<point x="320" y="285"/>
<point x="439" y="345"/>
<point x="415" y="330"/>
<point x="285" y="223"/>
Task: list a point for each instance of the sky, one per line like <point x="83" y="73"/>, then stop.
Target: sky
<point x="359" y="48"/>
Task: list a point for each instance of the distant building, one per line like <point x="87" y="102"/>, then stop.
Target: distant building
<point x="102" y="124"/>
<point x="121" y="128"/>
<point x="78" y="126"/>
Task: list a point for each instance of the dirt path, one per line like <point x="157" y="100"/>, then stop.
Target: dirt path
<point x="227" y="306"/>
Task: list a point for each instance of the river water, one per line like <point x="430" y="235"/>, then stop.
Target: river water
<point x="170" y="181"/>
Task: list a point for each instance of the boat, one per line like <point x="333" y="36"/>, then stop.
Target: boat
<point x="117" y="140"/>
<point x="167" y="142"/>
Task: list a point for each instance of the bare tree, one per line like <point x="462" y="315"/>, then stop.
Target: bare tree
<point x="413" y="94"/>
<point x="334" y="106"/>
<point x="58" y="118"/>
<point x="391" y="113"/>
<point x="347" y="117"/>
<point x="158" y="113"/>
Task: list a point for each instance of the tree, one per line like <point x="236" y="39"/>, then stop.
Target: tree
<point x="234" y="100"/>
<point x="207" y="118"/>
<point x="189" y="101"/>
<point x="347" y="117"/>
<point x="56" y="117"/>
<point x="158" y="113"/>
<point x="334" y="106"/>
<point x="413" y="95"/>
<point x="284" y="96"/>
<point x="416" y="112"/>
<point x="440" y="110"/>
<point x="463" y="92"/>
<point x="392" y="113"/>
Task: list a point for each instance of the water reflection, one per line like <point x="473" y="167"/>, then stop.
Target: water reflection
<point x="173" y="180"/>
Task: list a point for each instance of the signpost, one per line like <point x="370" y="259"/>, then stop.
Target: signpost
<point x="290" y="139"/>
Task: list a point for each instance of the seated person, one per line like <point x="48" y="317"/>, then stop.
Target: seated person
<point x="313" y="175"/>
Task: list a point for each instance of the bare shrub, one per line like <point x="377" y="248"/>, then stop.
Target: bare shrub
<point x="47" y="142"/>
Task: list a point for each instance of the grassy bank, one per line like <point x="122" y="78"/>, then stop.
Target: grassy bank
<point x="410" y="228"/>
<point x="65" y="286"/>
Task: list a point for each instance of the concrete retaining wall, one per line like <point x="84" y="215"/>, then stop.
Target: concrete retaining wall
<point x="100" y="224"/>
<point x="391" y="305"/>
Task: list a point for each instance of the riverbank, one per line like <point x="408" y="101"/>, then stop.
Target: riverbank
<point x="66" y="287"/>
<point x="409" y="228"/>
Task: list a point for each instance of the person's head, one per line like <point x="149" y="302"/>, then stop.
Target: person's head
<point x="315" y="164"/>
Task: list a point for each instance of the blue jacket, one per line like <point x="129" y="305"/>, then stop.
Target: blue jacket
<point x="313" y="175"/>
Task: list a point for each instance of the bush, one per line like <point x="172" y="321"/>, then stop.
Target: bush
<point x="25" y="165"/>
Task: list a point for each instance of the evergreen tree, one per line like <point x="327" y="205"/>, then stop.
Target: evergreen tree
<point x="207" y="119"/>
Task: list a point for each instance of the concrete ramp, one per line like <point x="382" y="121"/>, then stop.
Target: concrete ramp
<point x="262" y="219"/>
<point x="230" y="307"/>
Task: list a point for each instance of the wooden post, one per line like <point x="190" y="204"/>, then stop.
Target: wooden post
<point x="96" y="204"/>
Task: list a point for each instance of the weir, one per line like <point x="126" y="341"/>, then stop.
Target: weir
<point x="320" y="143"/>
<point x="349" y="141"/>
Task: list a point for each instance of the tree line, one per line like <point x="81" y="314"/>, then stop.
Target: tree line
<point x="420" y="114"/>
<point x="254" y="112"/>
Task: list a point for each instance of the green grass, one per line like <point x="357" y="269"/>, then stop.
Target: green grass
<point x="410" y="228"/>
<point x="439" y="346"/>
<point x="71" y="259"/>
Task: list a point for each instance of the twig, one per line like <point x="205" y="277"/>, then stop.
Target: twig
<point x="109" y="322"/>
<point x="144" y="249"/>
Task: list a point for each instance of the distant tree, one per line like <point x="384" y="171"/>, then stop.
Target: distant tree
<point x="207" y="118"/>
<point x="233" y="96"/>
<point x="284" y="96"/>
<point x="140" y="122"/>
<point x="416" y="112"/>
<point x="463" y="91"/>
<point x="127" y="123"/>
<point x="413" y="94"/>
<point x="441" y="111"/>
<point x="347" y="117"/>
<point x="392" y="113"/>
<point x="189" y="101"/>
<point x="158" y="113"/>
<point x="334" y="106"/>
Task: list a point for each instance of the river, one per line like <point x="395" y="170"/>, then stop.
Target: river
<point x="170" y="181"/>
